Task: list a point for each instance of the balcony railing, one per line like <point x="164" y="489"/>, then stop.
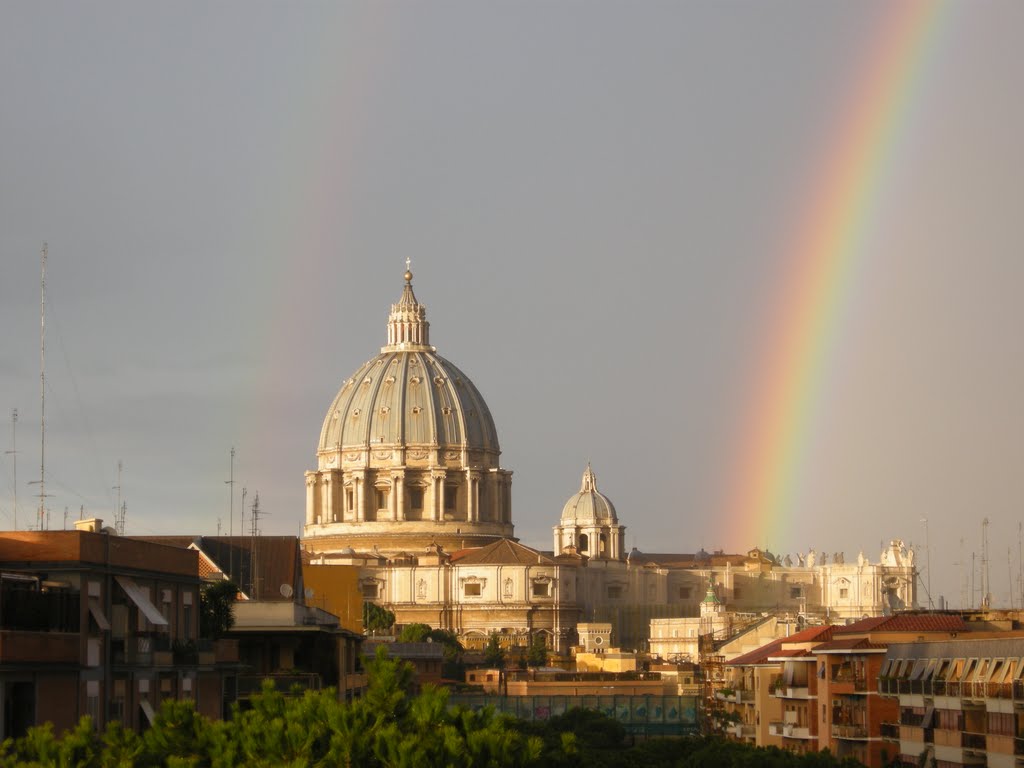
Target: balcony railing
<point x="250" y="684"/>
<point x="974" y="741"/>
<point x="39" y="611"/>
<point x="849" y="731"/>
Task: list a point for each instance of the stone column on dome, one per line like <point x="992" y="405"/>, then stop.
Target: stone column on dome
<point x="493" y="495"/>
<point x="508" y="497"/>
<point x="471" y="505"/>
<point x="358" y="480"/>
<point x="441" y="491"/>
<point x="398" y="489"/>
<point x="325" y="499"/>
<point x="310" y="498"/>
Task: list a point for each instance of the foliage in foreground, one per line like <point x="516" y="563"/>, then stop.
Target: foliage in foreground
<point x="387" y="728"/>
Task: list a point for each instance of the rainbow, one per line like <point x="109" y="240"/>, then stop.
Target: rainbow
<point x="825" y="252"/>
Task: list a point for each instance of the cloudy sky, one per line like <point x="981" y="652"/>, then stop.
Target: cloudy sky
<point x="600" y="201"/>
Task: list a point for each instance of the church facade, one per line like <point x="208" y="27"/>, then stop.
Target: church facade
<point x="409" y="487"/>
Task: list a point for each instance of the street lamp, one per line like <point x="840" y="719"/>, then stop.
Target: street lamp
<point x="928" y="562"/>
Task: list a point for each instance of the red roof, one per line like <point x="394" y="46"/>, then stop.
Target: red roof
<point x="790" y="653"/>
<point x="811" y="634"/>
<point x="850" y="644"/>
<point x="906" y="622"/>
<point x="774" y="648"/>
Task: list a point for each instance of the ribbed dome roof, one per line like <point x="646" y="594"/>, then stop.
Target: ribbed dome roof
<point x="408" y="395"/>
<point x="589" y="503"/>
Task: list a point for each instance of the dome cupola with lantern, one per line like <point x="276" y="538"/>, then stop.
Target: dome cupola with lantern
<point x="408" y="455"/>
<point x="589" y="523"/>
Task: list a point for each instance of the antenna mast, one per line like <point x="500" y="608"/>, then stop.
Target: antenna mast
<point x="986" y="595"/>
<point x="231" y="492"/>
<point x="253" y="560"/>
<point x="118" y="510"/>
<point x="14" y="455"/>
<point x="42" y="390"/>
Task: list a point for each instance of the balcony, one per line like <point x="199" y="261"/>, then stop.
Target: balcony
<point x="891" y="732"/>
<point x="849" y="732"/>
<point x="17" y="647"/>
<point x="301" y="681"/>
<point x="975" y="741"/>
<point x="743" y="731"/>
<point x="784" y="692"/>
<point x="849" y="684"/>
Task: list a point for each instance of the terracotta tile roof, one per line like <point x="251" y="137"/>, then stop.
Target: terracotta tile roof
<point x="906" y="622"/>
<point x="758" y="656"/>
<point x="775" y="647"/>
<point x="501" y="552"/>
<point x="277" y="561"/>
<point x="791" y="653"/>
<point x="821" y="634"/>
<point x="849" y="644"/>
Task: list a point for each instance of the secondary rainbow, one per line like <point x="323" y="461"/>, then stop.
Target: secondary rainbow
<point x="824" y="256"/>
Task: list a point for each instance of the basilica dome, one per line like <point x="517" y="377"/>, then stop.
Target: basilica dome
<point x="589" y="524"/>
<point x="408" y="454"/>
<point x="589" y="503"/>
<point x="410" y="397"/>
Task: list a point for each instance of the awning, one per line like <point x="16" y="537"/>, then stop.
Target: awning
<point x="141" y="600"/>
<point x="147" y="708"/>
<point x="97" y="613"/>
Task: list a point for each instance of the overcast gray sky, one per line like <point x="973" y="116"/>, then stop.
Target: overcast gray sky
<point x="597" y="198"/>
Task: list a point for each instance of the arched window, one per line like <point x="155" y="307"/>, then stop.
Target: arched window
<point x="584" y="543"/>
<point x="603" y="546"/>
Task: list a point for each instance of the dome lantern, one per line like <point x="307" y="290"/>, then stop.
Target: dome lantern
<point x="408" y="328"/>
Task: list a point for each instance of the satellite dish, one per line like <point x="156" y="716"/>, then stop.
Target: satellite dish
<point x="286" y="590"/>
<point x="309" y="593"/>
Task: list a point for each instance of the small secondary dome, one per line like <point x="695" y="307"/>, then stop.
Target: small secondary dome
<point x="589" y="503"/>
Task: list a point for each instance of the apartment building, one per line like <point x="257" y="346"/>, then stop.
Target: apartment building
<point x="817" y="689"/>
<point x="772" y="693"/>
<point x="958" y="702"/>
<point x="100" y="625"/>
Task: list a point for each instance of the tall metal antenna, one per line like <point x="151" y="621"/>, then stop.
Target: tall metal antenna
<point x="254" y="585"/>
<point x="928" y="562"/>
<point x="231" y="518"/>
<point x="118" y="516"/>
<point x="241" y="514"/>
<point x="231" y="493"/>
<point x="14" y="454"/>
<point x="986" y="594"/>
<point x="42" y="390"/>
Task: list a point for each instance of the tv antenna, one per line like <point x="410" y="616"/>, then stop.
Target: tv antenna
<point x="119" y="509"/>
<point x="42" y="391"/>
<point x="14" y="456"/>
